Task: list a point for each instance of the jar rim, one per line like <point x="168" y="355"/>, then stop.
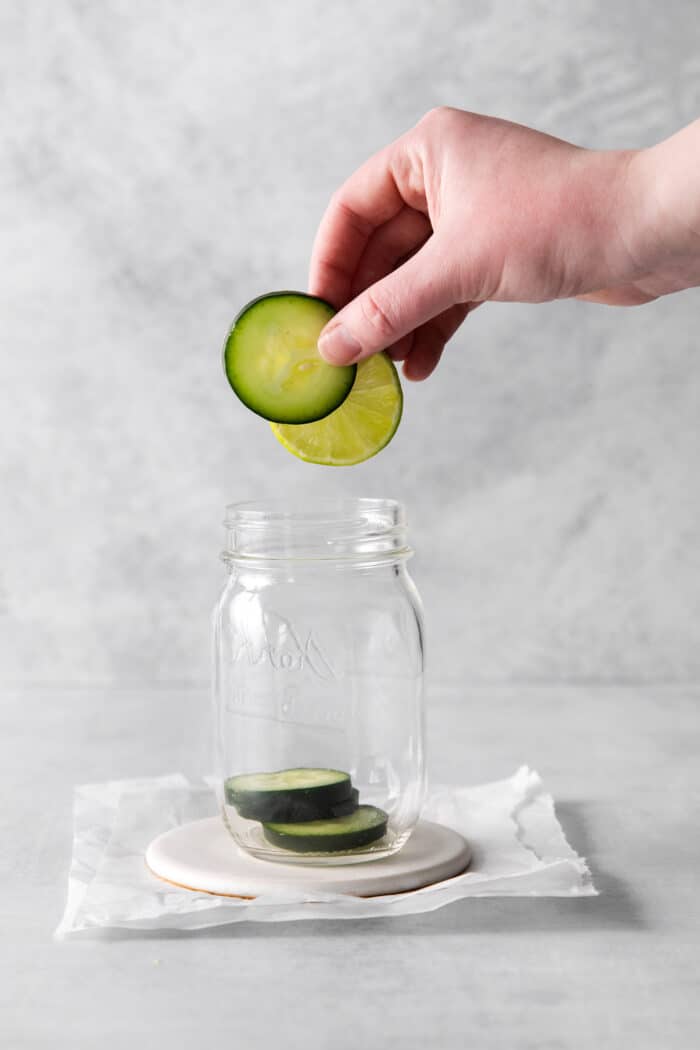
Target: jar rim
<point x="319" y="529"/>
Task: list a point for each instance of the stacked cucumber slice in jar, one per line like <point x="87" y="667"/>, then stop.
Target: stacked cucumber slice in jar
<point x="307" y="810"/>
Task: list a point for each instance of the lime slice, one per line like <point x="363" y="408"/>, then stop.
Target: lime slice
<point x="364" y="423"/>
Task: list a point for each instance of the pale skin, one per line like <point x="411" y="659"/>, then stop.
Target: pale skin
<point x="464" y="209"/>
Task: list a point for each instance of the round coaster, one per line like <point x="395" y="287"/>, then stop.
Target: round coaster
<point x="202" y="856"/>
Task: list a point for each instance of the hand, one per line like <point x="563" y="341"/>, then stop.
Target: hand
<point x="463" y="209"/>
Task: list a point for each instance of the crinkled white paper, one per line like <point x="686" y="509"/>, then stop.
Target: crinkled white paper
<point x="518" y="847"/>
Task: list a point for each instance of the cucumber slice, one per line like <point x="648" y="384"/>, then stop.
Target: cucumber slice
<point x="272" y="362"/>
<point x="282" y="795"/>
<point x="340" y="809"/>
<point x="365" y="825"/>
<point x="298" y="809"/>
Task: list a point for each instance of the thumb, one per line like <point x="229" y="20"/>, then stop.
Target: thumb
<point x="398" y="304"/>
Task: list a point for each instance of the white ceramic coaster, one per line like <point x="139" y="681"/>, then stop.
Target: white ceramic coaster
<point x="202" y="856"/>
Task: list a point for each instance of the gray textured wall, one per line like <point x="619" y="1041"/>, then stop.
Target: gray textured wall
<point x="165" y="161"/>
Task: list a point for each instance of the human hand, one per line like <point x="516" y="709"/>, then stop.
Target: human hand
<point x="465" y="208"/>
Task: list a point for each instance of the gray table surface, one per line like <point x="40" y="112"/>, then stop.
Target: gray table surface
<point x="621" y="970"/>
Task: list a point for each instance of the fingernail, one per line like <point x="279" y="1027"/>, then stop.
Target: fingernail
<point x="337" y="346"/>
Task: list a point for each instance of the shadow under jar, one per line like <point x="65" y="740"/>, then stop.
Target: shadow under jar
<point x="318" y="682"/>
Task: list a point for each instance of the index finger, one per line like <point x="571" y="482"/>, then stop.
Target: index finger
<point x="368" y="199"/>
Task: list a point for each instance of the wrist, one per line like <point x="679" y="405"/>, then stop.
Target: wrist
<point x="597" y="231"/>
<point x="626" y="216"/>
<point x="664" y="219"/>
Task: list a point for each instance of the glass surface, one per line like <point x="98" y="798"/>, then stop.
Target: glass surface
<point x="319" y="664"/>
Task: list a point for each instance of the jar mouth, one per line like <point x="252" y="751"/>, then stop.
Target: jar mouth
<point x="316" y="530"/>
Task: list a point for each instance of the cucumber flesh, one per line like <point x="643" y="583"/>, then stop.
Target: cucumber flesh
<point x="290" y="794"/>
<point x="366" y="825"/>
<point x="272" y="362"/>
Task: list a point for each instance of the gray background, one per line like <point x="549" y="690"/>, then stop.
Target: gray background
<point x="162" y="163"/>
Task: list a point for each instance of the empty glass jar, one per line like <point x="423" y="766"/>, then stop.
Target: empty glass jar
<point x="318" y="681"/>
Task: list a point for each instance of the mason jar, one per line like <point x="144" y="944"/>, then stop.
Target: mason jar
<point x="318" y="681"/>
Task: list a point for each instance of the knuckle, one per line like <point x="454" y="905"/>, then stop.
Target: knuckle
<point x="378" y="317"/>
<point x="438" y="115"/>
<point x="337" y="199"/>
<point x="338" y="203"/>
